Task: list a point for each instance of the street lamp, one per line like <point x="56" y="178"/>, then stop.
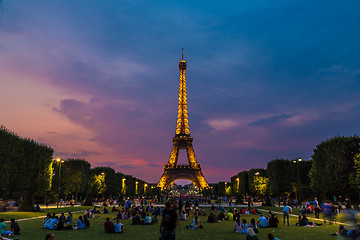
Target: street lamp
<point x="145" y="185"/>
<point x="225" y="188"/>
<point x="136" y="187"/>
<point x="257" y="187"/>
<point x="238" y="185"/>
<point x="123" y="186"/>
<point x="59" y="161"/>
<point x="298" y="176"/>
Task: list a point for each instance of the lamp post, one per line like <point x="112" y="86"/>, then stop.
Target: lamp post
<point x="123" y="186"/>
<point x="298" y="176"/>
<point x="237" y="185"/>
<point x="145" y="185"/>
<point x="257" y="182"/>
<point x="59" y="161"/>
<point x="225" y="187"/>
<point x="136" y="187"/>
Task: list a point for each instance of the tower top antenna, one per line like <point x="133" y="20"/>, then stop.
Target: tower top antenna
<point x="182" y="55"/>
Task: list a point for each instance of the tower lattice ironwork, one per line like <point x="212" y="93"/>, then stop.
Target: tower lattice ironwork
<point x="182" y="140"/>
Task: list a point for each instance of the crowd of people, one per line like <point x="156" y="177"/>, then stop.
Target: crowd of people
<point x="54" y="222"/>
<point x="145" y="212"/>
<point x="14" y="228"/>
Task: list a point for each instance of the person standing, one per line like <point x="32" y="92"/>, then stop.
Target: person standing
<point x="168" y="223"/>
<point x="316" y="207"/>
<point x="286" y="211"/>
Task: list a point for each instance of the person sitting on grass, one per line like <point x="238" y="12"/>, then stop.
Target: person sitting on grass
<point x="253" y="225"/>
<point x="80" y="223"/>
<point x="119" y="215"/>
<point x="305" y="222"/>
<point x="154" y="219"/>
<point x="273" y="221"/>
<point x="53" y="223"/>
<point x="15" y="227"/>
<point x="3" y="231"/>
<point x="251" y="235"/>
<point x="48" y="217"/>
<point x="230" y="216"/>
<point x="95" y="210"/>
<point x="262" y="222"/>
<point x="118" y="226"/>
<point x="109" y="226"/>
<point x="69" y="219"/>
<point x="86" y="221"/>
<point x="62" y="217"/>
<point x="211" y="218"/>
<point x="148" y="220"/>
<point x="136" y="220"/>
<point x="238" y="226"/>
<point x="50" y="236"/>
<point x="37" y="208"/>
<point x="105" y="210"/>
<point x="195" y="224"/>
<point x="61" y="224"/>
<point x="221" y="216"/>
<point x="183" y="216"/>
<point x="245" y="224"/>
<point x="47" y="221"/>
<point x="271" y="237"/>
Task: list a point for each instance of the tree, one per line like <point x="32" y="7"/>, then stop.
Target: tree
<point x="75" y="176"/>
<point x="333" y="166"/>
<point x="253" y="179"/>
<point x="110" y="185"/>
<point x="282" y="176"/>
<point x="25" y="167"/>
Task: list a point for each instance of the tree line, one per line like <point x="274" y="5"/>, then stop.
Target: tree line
<point x="332" y="171"/>
<point x="28" y="171"/>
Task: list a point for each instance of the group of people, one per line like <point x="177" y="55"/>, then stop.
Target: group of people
<point x="110" y="227"/>
<point x="14" y="228"/>
<point x="54" y="222"/>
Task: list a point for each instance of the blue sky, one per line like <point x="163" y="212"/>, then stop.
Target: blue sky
<point x="99" y="79"/>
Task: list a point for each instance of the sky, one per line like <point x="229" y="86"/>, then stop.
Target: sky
<point x="98" y="80"/>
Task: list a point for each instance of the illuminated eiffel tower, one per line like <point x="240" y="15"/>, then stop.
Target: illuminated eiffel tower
<point x="182" y="140"/>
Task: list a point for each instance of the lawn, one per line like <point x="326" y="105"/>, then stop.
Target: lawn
<point x="31" y="229"/>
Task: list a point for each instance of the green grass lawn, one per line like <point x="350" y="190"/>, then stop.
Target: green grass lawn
<point x="32" y="229"/>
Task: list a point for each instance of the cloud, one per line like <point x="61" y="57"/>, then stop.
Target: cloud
<point x="77" y="154"/>
<point x="153" y="165"/>
<point x="126" y="166"/>
<point x="271" y="120"/>
<point x="340" y="69"/>
<point x="222" y="124"/>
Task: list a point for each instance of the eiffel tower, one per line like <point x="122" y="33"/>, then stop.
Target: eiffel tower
<point x="182" y="140"/>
